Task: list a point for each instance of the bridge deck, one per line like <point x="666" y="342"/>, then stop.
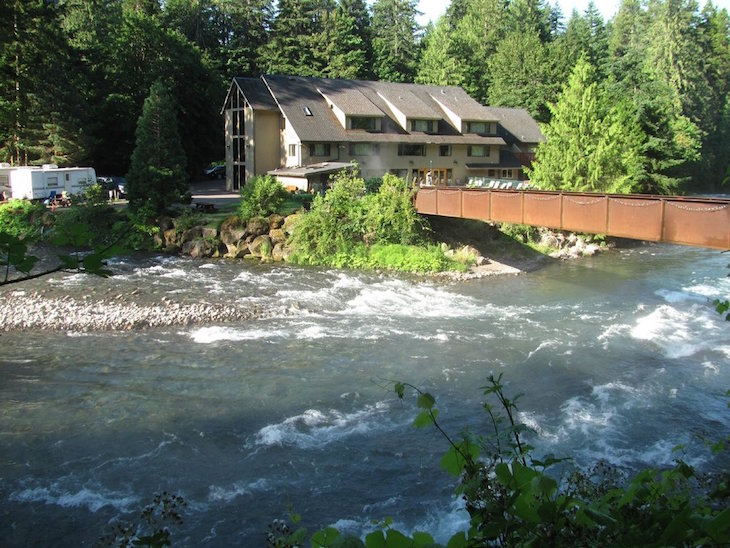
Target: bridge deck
<point x="701" y="222"/>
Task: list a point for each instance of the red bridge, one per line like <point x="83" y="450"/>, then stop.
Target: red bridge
<point x="695" y="221"/>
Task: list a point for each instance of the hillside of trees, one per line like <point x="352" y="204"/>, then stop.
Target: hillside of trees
<point x="642" y="97"/>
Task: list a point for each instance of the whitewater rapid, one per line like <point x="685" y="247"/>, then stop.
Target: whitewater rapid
<point x="620" y="357"/>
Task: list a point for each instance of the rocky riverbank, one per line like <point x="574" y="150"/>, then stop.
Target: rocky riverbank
<point x="33" y="310"/>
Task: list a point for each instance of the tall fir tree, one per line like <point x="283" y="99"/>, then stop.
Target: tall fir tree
<point x="521" y="74"/>
<point x="298" y="38"/>
<point x="343" y="54"/>
<point x="475" y="39"/>
<point x="244" y="35"/>
<point x="395" y="40"/>
<point x="438" y="66"/>
<point x="592" y="144"/>
<point x="157" y="175"/>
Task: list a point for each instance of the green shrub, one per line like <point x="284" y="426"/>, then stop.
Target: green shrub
<point x="350" y="228"/>
<point x="390" y="216"/>
<point x="188" y="219"/>
<point x="22" y="218"/>
<point x="96" y="194"/>
<point x="262" y="196"/>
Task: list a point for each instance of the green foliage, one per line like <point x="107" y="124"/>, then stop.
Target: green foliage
<point x="390" y="216"/>
<point x="157" y="172"/>
<point x="513" y="500"/>
<point x="594" y="143"/>
<point x="21" y="218"/>
<point x="14" y="254"/>
<point x="348" y="228"/>
<point x="96" y="194"/>
<point x="395" y="40"/>
<point x="153" y="528"/>
<point x="262" y="196"/>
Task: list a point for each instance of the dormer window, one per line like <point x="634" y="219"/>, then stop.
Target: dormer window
<point x="483" y="128"/>
<point x="426" y="126"/>
<point x="367" y="123"/>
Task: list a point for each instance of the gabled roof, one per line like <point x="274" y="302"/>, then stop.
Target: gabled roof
<point x="403" y="98"/>
<point x="518" y="124"/>
<point x="255" y="91"/>
<point x="348" y="98"/>
<point x="302" y="102"/>
<point x="460" y="103"/>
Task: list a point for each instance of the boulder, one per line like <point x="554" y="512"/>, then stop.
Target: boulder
<point x="257" y="226"/>
<point x="232" y="230"/>
<point x="198" y="248"/>
<point x="275" y="221"/>
<point x="290" y="222"/>
<point x="261" y="246"/>
<point x="239" y="251"/>
<point x="280" y="252"/>
<point x="210" y="233"/>
<point x="195" y="233"/>
<point x="277" y="235"/>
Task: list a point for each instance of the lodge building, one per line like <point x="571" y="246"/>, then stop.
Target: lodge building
<point x="303" y="129"/>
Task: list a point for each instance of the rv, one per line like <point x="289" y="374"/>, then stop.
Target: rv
<point x="39" y="183"/>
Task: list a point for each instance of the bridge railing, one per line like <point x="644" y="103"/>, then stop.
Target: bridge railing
<point x="703" y="222"/>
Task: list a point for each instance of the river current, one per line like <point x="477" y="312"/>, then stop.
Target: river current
<point x="620" y="357"/>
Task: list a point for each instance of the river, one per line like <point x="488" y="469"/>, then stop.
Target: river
<point x="619" y="357"/>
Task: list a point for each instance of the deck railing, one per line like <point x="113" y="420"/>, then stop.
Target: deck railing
<point x="695" y="221"/>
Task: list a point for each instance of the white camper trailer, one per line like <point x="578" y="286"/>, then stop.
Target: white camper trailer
<point x="5" y="170"/>
<point x="39" y="183"/>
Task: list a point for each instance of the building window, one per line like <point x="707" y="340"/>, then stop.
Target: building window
<point x="52" y="182"/>
<point x="478" y="151"/>
<point x="363" y="149"/>
<point x="478" y="127"/>
<point x="411" y="150"/>
<point x="367" y="123"/>
<point x="445" y="150"/>
<point x="307" y="111"/>
<point x="427" y="126"/>
<point x="319" y="149"/>
<point x="292" y="150"/>
<point x="506" y="174"/>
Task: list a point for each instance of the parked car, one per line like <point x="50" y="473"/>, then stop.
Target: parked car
<point x="113" y="183"/>
<point x="215" y="172"/>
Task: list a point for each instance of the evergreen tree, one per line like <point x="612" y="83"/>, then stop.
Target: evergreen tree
<point x="474" y="41"/>
<point x="343" y="52"/>
<point x="521" y="74"/>
<point x="395" y="40"/>
<point x="157" y="176"/>
<point x="298" y="38"/>
<point x="358" y="10"/>
<point x="592" y="143"/>
<point x="437" y="66"/>
<point x="244" y="35"/>
<point x="529" y="16"/>
<point x="715" y="33"/>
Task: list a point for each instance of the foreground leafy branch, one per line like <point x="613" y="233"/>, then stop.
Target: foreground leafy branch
<point x="14" y="256"/>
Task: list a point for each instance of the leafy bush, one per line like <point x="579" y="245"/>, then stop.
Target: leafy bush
<point x="333" y="224"/>
<point x="96" y="194"/>
<point x="352" y="229"/>
<point x="261" y="196"/>
<point x="390" y="216"/>
<point x="21" y="218"/>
